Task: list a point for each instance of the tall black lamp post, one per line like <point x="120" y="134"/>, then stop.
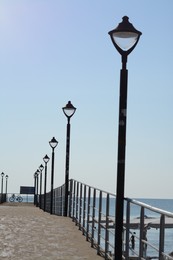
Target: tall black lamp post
<point x="53" y="143"/>
<point x="37" y="174"/>
<point x="45" y="159"/>
<point x="2" y="181"/>
<point x="6" y="177"/>
<point x="35" y="187"/>
<point x="124" y="37"/>
<point x="41" y="167"/>
<point x="69" y="111"/>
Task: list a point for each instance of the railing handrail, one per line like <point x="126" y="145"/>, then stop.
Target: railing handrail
<point x="155" y="209"/>
<point x="92" y="187"/>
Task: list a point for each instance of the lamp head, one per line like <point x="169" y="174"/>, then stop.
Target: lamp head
<point x="41" y="167"/>
<point x="46" y="158"/>
<point x="125" y="37"/>
<point x="69" y="110"/>
<point x="53" y="143"/>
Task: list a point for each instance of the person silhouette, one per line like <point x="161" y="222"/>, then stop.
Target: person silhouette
<point x="132" y="239"/>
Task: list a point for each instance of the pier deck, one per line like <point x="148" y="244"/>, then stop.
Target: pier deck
<point x="28" y="233"/>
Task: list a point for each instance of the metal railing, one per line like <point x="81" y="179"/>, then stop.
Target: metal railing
<point x="151" y="220"/>
<point x="93" y="211"/>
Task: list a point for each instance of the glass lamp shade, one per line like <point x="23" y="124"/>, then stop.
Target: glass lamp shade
<point x="6" y="176"/>
<point x="69" y="110"/>
<point x="53" y="143"/>
<point x="46" y="158"/>
<point x="2" y="174"/>
<point x="125" y="36"/>
<point x="41" y="167"/>
<point x="125" y="40"/>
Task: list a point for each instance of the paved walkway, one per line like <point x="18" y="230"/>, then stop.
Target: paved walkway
<point x="28" y="233"/>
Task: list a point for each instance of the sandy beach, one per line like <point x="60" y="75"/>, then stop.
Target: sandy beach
<point x="28" y="233"/>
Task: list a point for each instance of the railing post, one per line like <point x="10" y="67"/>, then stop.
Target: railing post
<point x="54" y="202"/>
<point x="93" y="218"/>
<point x="80" y="206"/>
<point x="70" y="198"/>
<point x="107" y="227"/>
<point x="57" y="201"/>
<point x="84" y="210"/>
<point x="74" y="199"/>
<point x="162" y="236"/>
<point x="63" y="199"/>
<point x="88" y="213"/>
<point x="127" y="229"/>
<point x="77" y="204"/>
<point x="61" y="203"/>
<point x="99" y="223"/>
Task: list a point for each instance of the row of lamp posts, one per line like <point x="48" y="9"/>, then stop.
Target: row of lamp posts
<point x="124" y="38"/>
<point x="69" y="111"/>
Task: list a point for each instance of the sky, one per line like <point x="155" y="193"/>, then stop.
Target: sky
<point x="53" y="51"/>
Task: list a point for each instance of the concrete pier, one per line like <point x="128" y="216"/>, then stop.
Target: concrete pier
<point x="28" y="233"/>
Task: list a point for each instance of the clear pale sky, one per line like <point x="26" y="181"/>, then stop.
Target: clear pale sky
<point x="52" y="51"/>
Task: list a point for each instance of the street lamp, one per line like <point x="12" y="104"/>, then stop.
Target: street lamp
<point x="53" y="143"/>
<point x="6" y="176"/>
<point x="2" y="180"/>
<point x="35" y="187"/>
<point x="124" y="37"/>
<point x="36" y="174"/>
<point x="45" y="159"/>
<point x="69" y="111"/>
<point x="41" y="167"/>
